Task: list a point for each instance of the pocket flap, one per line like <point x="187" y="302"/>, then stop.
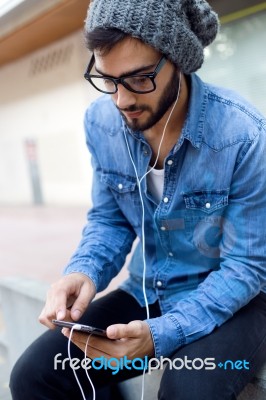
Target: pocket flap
<point x="119" y="183"/>
<point x="206" y="200"/>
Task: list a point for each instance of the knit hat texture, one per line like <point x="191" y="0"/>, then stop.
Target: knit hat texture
<point x="179" y="29"/>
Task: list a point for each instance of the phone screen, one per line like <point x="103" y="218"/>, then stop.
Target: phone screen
<point x="80" y="327"/>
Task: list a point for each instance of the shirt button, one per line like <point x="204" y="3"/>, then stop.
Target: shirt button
<point x="120" y="186"/>
<point x="159" y="284"/>
<point x="170" y="254"/>
<point x="163" y="228"/>
<point x="170" y="162"/>
<point x="165" y="200"/>
<point x="208" y="205"/>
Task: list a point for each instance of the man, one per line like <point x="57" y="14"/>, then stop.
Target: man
<point x="181" y="165"/>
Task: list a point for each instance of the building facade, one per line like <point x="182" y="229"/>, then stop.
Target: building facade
<point x="43" y="97"/>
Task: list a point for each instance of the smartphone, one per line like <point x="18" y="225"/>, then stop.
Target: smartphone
<point x="80" y="327"/>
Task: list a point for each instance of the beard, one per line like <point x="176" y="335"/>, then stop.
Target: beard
<point x="168" y="97"/>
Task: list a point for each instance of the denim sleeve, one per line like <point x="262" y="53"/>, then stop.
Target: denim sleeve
<point x="242" y="272"/>
<point x="107" y="237"/>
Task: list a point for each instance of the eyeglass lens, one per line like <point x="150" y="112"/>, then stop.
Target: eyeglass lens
<point x="137" y="83"/>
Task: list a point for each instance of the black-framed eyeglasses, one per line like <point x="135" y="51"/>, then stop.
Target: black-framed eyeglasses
<point x="139" y="83"/>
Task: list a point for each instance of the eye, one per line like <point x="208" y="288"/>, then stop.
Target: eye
<point x="140" y="81"/>
<point x="107" y="82"/>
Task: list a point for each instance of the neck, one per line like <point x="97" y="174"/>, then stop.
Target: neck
<point x="173" y="129"/>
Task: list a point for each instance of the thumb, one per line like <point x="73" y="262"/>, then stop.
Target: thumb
<point x="131" y="330"/>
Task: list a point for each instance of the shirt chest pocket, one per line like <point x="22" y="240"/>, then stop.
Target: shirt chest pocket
<point x="204" y="219"/>
<point x="206" y="202"/>
<point x="119" y="184"/>
<point x="125" y="191"/>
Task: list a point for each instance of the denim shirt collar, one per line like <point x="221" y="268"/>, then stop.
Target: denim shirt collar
<point x="194" y="126"/>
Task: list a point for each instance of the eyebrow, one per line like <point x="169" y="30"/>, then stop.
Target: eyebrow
<point x="132" y="72"/>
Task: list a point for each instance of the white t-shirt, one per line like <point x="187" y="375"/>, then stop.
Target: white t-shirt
<point x="155" y="181"/>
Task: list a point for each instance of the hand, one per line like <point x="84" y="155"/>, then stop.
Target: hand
<point x="67" y="299"/>
<point x="132" y="340"/>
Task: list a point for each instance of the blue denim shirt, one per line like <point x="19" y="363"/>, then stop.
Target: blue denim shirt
<point x="206" y="239"/>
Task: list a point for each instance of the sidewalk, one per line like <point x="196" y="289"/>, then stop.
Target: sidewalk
<point x="37" y="242"/>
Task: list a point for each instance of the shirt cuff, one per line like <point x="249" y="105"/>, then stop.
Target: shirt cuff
<point x="89" y="271"/>
<point x="167" y="335"/>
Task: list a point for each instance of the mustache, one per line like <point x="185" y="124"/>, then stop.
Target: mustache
<point x="134" y="108"/>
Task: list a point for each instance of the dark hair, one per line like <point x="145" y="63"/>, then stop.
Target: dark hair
<point x="103" y="40"/>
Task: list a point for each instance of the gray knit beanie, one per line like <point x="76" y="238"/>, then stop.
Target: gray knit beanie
<point x="179" y="29"/>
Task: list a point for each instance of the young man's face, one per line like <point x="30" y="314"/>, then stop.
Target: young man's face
<point x="140" y="111"/>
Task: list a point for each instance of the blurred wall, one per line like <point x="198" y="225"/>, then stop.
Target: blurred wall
<point x="237" y="59"/>
<point x="43" y="157"/>
<point x="43" y="96"/>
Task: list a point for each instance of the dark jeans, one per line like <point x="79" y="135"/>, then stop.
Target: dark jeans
<point x="243" y="338"/>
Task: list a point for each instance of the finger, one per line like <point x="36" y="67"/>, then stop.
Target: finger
<point x="99" y="344"/>
<point x="81" y="339"/>
<point x="95" y="341"/>
<point x="74" y="289"/>
<point x="81" y="303"/>
<point x="55" y="308"/>
<point x="43" y="319"/>
<point x="131" y="330"/>
<point x="60" y="304"/>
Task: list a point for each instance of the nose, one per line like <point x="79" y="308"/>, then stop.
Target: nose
<point x="124" y="98"/>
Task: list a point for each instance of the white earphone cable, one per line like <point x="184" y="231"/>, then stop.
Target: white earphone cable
<point x="70" y="359"/>
<point x="86" y="357"/>
<point x="163" y="135"/>
<point x="88" y="376"/>
<point x="139" y="180"/>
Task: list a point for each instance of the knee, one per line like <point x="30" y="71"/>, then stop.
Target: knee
<point x="191" y="385"/>
<point x="174" y="386"/>
<point x="19" y="383"/>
